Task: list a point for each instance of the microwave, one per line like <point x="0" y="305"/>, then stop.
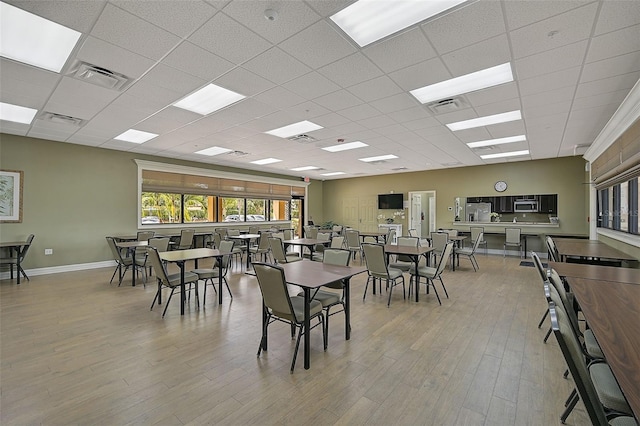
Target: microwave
<point x="525" y="206"/>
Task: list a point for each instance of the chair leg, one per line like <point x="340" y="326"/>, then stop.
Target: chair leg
<point x="546" y="337"/>
<point x="546" y="312"/>
<point x="228" y="288"/>
<point x="569" y="409"/>
<point x="168" y="301"/>
<point x="390" y="292"/>
<point x="571" y="396"/>
<point x="295" y="351"/>
<point x="443" y="287"/>
<point x="114" y="273"/>
<point x="435" y="290"/>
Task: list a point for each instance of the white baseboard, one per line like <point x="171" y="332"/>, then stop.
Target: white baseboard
<point x="62" y="268"/>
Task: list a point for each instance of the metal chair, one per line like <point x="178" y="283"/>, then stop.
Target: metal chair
<point x="11" y="261"/>
<point x="278" y="253"/>
<point x="377" y="269"/>
<point x="470" y="252"/>
<point x="432" y="273"/>
<point x="170" y="281"/>
<point x="475" y="231"/>
<point x="512" y="238"/>
<point x="210" y="274"/>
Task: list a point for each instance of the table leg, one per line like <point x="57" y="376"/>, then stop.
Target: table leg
<point x="453" y="254"/>
<point x="417" y="260"/>
<point x="220" y="259"/>
<point x="183" y="296"/>
<point x="248" y="255"/>
<point x="132" y="253"/>
<point x="264" y="326"/>
<point x="347" y="309"/>
<point x="307" y="326"/>
<point x="18" y="249"/>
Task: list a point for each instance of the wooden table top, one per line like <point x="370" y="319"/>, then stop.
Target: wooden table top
<point x="597" y="272"/>
<point x="372" y="233"/>
<point x="244" y="237"/>
<point x="612" y="311"/>
<point x="307" y="273"/>
<point x="589" y="248"/>
<point x="189" y="254"/>
<point x="130" y="244"/>
<point x="408" y="250"/>
<point x="305" y="242"/>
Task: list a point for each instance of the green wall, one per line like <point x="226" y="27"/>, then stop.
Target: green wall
<point x="563" y="176"/>
<point x="74" y="196"/>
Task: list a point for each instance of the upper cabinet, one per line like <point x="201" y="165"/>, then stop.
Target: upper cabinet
<point x="548" y="204"/>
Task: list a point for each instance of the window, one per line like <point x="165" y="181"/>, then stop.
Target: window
<point x="618" y="206"/>
<point x="280" y="210"/>
<point x="161" y="207"/>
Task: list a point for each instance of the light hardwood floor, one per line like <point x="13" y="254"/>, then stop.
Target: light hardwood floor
<point x="76" y="350"/>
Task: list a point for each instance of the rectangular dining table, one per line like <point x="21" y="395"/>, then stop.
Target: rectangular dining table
<point x="131" y="247"/>
<point x="16" y="247"/>
<point x="180" y="257"/>
<point x="375" y="234"/>
<point x="414" y="253"/>
<point x="589" y="250"/>
<point x="309" y="243"/>
<point x="612" y="310"/>
<point x="247" y="238"/>
<point x="311" y="275"/>
<point x="596" y="272"/>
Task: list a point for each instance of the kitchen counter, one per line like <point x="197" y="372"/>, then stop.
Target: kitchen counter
<point x="501" y="225"/>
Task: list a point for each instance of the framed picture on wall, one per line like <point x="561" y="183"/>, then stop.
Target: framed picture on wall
<point x="11" y="195"/>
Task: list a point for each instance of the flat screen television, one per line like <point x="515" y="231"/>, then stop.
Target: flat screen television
<point x="390" y="201"/>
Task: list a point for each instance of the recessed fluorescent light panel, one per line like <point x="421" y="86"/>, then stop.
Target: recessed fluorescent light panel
<point x="333" y="174"/>
<point x="208" y="99"/>
<point x="214" y="150"/>
<point x="378" y="158"/>
<point x="305" y="168"/>
<point x="465" y="83"/>
<point x="499" y="141"/>
<point x="505" y="154"/>
<point x="34" y="40"/>
<point x="366" y="21"/>
<point x="16" y="113"/>
<point x="505" y="117"/>
<point x="294" y="129"/>
<point x="345" y="146"/>
<point x="266" y="161"/>
<point x="135" y="136"/>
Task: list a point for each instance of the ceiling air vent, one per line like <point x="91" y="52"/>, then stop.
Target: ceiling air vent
<point x="52" y="117"/>
<point x="99" y="76"/>
<point x="447" y="105"/>
<point x="237" y="153"/>
<point x="302" y="139"/>
<point x="399" y="169"/>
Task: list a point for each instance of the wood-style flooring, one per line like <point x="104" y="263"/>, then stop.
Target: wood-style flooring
<point x="77" y="350"/>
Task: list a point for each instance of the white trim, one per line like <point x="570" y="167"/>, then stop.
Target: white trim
<point x="623" y="237"/>
<point x="62" y="268"/>
<point x="626" y="114"/>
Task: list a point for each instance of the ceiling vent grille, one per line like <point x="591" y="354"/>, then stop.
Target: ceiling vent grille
<point x="453" y="164"/>
<point x="302" y="139"/>
<point x="447" y="105"/>
<point x="399" y="169"/>
<point x="52" y="117"/>
<point x="237" y="153"/>
<point x="99" y="76"/>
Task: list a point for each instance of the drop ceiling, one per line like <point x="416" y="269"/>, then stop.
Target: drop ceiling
<point x="573" y="62"/>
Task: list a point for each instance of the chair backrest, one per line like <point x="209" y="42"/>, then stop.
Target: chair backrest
<point x="475" y="231"/>
<point x="371" y="240"/>
<point x="353" y="238"/>
<point x="217" y="238"/>
<point x="263" y="241"/>
<point x="444" y="258"/>
<point x="278" y="235"/>
<point x="336" y="257"/>
<point x="391" y="235"/>
<point x="225" y="248"/>
<point x="452" y="232"/>
<point x="115" y="251"/>
<point x="552" y="249"/>
<point x="336" y="229"/>
<point x="160" y="243"/>
<point x="375" y="259"/>
<point x="311" y="232"/>
<point x="322" y="236"/>
<point x="538" y="265"/>
<point x="145" y="235"/>
<point x="277" y="250"/>
<point x="253" y="229"/>
<point x="410" y="242"/>
<point x="158" y="266"/>
<point x="288" y="234"/>
<point x="573" y="355"/>
<point x="337" y="242"/>
<point x="512" y="235"/>
<point x="186" y="239"/>
<point x="477" y="241"/>
<point x="439" y="241"/>
<point x="222" y="232"/>
<point x="24" y="250"/>
<point x="413" y="233"/>
<point x="233" y="232"/>
<point x="273" y="287"/>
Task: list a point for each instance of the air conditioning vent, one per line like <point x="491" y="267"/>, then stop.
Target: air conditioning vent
<point x="99" y="76"/>
<point x="399" y="169"/>
<point x="453" y="164"/>
<point x="302" y="139"/>
<point x="52" y="117"/>
<point x="448" y="105"/>
<point x="237" y="153"/>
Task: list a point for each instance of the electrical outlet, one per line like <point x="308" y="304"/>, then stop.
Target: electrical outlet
<point x="47" y="252"/>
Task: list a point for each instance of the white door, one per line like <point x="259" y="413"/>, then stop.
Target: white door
<point x="416" y="214"/>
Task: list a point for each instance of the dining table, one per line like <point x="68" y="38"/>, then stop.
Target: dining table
<point x="246" y="238"/>
<point x="16" y="247"/>
<point x="375" y="234"/>
<point x="590" y="250"/>
<point x="310" y="275"/>
<point x="596" y="272"/>
<point x="180" y="257"/>
<point x="131" y="247"/>
<point x="414" y="253"/>
<point x="612" y="311"/>
<point x="309" y="243"/>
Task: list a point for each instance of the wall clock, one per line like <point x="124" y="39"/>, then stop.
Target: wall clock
<point x="500" y="186"/>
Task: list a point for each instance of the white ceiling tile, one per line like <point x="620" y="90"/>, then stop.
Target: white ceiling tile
<point x="524" y="13"/>
<point x="563" y="57"/>
<point x="377" y="122"/>
<point x="132" y="33"/>
<point x="166" y="120"/>
<point x="609" y="67"/>
<point x="312" y="85"/>
<point x="26" y="86"/>
<point x="331" y="119"/>
<point x="478" y="56"/>
<point x="480" y="21"/>
<point x="378" y="88"/>
<point x="173" y="79"/>
<point x="498" y="107"/>
<point x="606" y="85"/>
<point x="541" y="99"/>
<point x="161" y="95"/>
<point x="569" y="28"/>
<point x="410" y="114"/>
<point x="404" y="49"/>
<point x="244" y="82"/>
<point x="338" y="100"/>
<point x="318" y="45"/>
<point x="114" y="58"/>
<point x="66" y="99"/>
<point x="228" y="39"/>
<point x="351" y="70"/>
<point x="610" y="98"/>
<point x="291" y="17"/>
<point x="422" y="123"/>
<point x="78" y="15"/>
<point x="422" y="74"/>
<point x="308" y="110"/>
<point x="547" y="82"/>
<point x="279" y="97"/>
<point x="614" y="44"/>
<point x="494" y="94"/>
<point x="394" y="103"/>
<point x="617" y="14"/>
<point x="11" y="128"/>
<point x="359" y="112"/>
<point x="197" y="61"/>
<point x="277" y="66"/>
<point x="179" y="17"/>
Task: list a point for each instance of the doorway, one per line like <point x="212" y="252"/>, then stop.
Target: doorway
<point x="422" y="212"/>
